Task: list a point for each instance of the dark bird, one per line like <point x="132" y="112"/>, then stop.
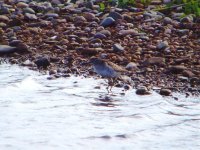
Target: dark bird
<point x="107" y="70"/>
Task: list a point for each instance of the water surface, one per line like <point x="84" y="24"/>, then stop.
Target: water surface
<point x="68" y="113"/>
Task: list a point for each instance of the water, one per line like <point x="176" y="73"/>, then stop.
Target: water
<point x="68" y="113"/>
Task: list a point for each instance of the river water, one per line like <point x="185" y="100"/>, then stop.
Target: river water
<point x="70" y="113"/>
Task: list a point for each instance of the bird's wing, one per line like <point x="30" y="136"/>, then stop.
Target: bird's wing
<point x="116" y="67"/>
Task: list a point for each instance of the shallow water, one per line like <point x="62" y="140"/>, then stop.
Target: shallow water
<point x="68" y="113"/>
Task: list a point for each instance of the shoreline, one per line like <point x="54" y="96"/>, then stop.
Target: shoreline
<point x="158" y="50"/>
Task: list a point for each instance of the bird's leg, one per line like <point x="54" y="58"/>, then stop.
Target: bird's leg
<point x="111" y="83"/>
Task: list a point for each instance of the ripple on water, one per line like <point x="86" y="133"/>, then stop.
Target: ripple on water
<point x="70" y="113"/>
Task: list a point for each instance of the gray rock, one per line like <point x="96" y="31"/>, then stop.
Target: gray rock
<point x="142" y="90"/>
<point x="182" y="32"/>
<point x="165" y="92"/>
<point x="105" y="32"/>
<point x="162" y="45"/>
<point x="109" y="21"/>
<point x="29" y="16"/>
<point x="51" y="15"/>
<point x="131" y="66"/>
<point x="118" y="48"/>
<point x="28" y="10"/>
<point x="115" y="15"/>
<point x="187" y="19"/>
<point x="167" y="20"/>
<point x="5" y="49"/>
<point x="14" y="43"/>
<point x="183" y="79"/>
<point x="99" y="36"/>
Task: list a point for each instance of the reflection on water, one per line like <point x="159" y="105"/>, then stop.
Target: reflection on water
<point x="68" y="113"/>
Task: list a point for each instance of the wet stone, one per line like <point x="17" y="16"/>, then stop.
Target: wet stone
<point x="165" y="92"/>
<point x="142" y="90"/>
<point x="42" y="62"/>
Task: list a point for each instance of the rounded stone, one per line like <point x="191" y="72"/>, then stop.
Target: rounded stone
<point x="142" y="90"/>
<point x="109" y="21"/>
<point x="118" y="48"/>
<point x="162" y="45"/>
<point x="28" y="10"/>
<point x="165" y="92"/>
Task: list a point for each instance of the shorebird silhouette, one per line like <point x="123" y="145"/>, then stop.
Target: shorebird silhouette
<point x="107" y="70"/>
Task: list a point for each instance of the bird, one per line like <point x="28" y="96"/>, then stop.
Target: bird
<point x="107" y="69"/>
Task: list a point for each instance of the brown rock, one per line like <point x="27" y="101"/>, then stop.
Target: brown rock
<point x="165" y="92"/>
<point x="128" y="32"/>
<point x="188" y="73"/>
<point x="142" y="90"/>
<point x="154" y="61"/>
<point x="176" y="69"/>
<point x="4" y="18"/>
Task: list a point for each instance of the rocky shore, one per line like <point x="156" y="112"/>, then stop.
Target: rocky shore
<point x="161" y="50"/>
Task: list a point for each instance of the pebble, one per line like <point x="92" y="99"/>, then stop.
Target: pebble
<point x="165" y="92"/>
<point x="99" y="36"/>
<point x="109" y="21"/>
<point x="177" y="69"/>
<point x="22" y="5"/>
<point x="28" y="10"/>
<point x="160" y="61"/>
<point x="142" y="90"/>
<point x="162" y="45"/>
<point x="128" y="32"/>
<point x="29" y="16"/>
<point x="167" y="20"/>
<point x="131" y="66"/>
<point x="4" y="18"/>
<point x="42" y="62"/>
<point x="118" y="48"/>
